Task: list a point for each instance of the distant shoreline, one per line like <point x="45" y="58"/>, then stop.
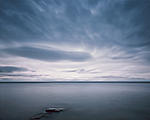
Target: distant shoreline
<point x="78" y="82"/>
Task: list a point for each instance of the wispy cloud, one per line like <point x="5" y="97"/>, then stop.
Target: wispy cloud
<point x="111" y="38"/>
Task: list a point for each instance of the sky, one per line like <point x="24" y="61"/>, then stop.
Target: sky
<point x="74" y="40"/>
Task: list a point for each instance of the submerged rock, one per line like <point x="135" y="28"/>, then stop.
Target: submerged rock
<point x="38" y="116"/>
<point x="46" y="112"/>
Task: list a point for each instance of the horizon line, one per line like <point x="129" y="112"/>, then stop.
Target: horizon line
<point x="75" y="81"/>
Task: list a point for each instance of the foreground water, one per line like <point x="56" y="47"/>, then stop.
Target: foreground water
<point x="83" y="101"/>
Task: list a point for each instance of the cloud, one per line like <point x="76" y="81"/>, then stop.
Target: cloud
<point x="48" y="54"/>
<point x="10" y="69"/>
<point x="115" y="34"/>
<point x="124" y="23"/>
<point x="93" y="24"/>
<point x="119" y="78"/>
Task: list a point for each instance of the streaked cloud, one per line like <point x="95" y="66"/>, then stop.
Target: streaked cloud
<point x="47" y="55"/>
<point x="77" y="39"/>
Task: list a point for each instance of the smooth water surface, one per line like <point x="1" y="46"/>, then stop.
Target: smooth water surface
<point x="82" y="101"/>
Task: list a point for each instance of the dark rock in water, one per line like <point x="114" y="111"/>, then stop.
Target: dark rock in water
<point x="47" y="111"/>
<point x="50" y="110"/>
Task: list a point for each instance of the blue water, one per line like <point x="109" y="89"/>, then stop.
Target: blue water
<point x="82" y="101"/>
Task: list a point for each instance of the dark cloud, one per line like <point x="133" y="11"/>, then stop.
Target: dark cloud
<point x="10" y="69"/>
<point x="47" y="55"/>
<point x="124" y="23"/>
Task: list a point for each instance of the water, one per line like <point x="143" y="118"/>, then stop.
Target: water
<point x="83" y="101"/>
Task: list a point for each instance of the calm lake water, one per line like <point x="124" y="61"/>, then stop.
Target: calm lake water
<point x="82" y="101"/>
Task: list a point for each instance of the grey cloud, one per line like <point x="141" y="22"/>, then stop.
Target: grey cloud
<point x="76" y="70"/>
<point x="10" y="69"/>
<point x="47" y="54"/>
<point x="92" y="23"/>
<point x="97" y="23"/>
<point x="124" y="23"/>
<point x="18" y="75"/>
<point x="131" y="57"/>
<point x="82" y="71"/>
<point x="119" y="78"/>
